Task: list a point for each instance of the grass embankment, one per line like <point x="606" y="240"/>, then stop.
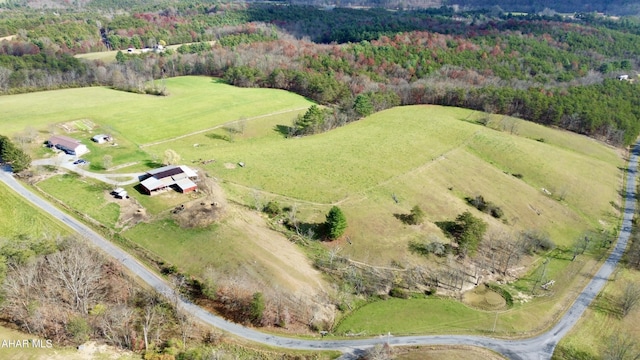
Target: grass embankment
<point x="19" y="218"/>
<point x="602" y="322"/>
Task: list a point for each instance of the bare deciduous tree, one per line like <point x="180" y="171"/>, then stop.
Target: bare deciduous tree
<point x="78" y="271"/>
<point x="620" y="347"/>
<point x="630" y="298"/>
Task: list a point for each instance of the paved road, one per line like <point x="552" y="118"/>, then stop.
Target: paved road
<point x="539" y="347"/>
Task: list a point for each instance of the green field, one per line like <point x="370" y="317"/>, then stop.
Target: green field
<point x="87" y="196"/>
<point x="431" y="156"/>
<point x="19" y="218"/>
<point x="194" y="103"/>
<point x="424" y="155"/>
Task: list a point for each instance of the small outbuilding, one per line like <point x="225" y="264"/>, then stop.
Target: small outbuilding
<point x="68" y="145"/>
<point x="120" y="193"/>
<point x="623" y="77"/>
<point x="101" y="138"/>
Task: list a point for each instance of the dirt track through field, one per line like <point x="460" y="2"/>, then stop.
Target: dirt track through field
<point x="217" y="127"/>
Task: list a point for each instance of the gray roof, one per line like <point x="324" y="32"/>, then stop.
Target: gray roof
<point x="152" y="184"/>
<point x="185" y="184"/>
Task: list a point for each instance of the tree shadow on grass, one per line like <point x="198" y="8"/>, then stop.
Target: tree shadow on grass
<point x="448" y="227"/>
<point x="405" y="218"/>
<point x="152" y="164"/>
<point x="607" y="304"/>
<point x="284" y="130"/>
<point x="215" y="136"/>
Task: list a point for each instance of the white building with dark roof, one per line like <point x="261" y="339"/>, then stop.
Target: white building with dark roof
<point x="68" y="145"/>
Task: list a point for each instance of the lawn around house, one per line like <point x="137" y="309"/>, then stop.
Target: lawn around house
<point x="84" y="195"/>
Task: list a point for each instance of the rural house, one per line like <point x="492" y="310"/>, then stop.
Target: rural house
<point x="181" y="177"/>
<point x="68" y="145"/>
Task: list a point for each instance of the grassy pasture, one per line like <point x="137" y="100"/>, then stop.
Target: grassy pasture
<point x="424" y="155"/>
<point x="18" y="217"/>
<point x="84" y="195"/>
<point x="194" y="103"/>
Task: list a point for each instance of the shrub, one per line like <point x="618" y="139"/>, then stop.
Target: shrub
<point x="485" y="206"/>
<point x="272" y="208"/>
<point x="397" y="292"/>
<point x="79" y="329"/>
<point x="416" y="216"/>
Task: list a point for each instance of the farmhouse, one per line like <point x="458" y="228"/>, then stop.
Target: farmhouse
<point x="68" y="145"/>
<point x="167" y="176"/>
<point x="101" y="138"/>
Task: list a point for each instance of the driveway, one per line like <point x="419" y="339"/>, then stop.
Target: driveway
<point x="66" y="162"/>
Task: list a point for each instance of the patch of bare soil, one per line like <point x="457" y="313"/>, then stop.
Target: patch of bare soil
<point x="131" y="212"/>
<point x="229" y="166"/>
<point x="203" y="211"/>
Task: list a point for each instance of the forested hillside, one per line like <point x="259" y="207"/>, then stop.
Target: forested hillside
<point x="559" y="71"/>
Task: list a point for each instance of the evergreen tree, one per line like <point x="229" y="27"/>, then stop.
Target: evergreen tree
<point x="309" y="122"/>
<point x="13" y="155"/>
<point x="257" y="306"/>
<point x="336" y="223"/>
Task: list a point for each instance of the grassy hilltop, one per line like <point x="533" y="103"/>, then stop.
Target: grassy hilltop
<point x="543" y="179"/>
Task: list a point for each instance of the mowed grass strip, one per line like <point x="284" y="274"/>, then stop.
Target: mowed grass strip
<point x="84" y="195"/>
<point x="18" y="217"/>
<point x="194" y="103"/>
<point x="415" y="316"/>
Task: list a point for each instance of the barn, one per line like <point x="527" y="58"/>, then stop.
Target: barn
<point x="180" y="177"/>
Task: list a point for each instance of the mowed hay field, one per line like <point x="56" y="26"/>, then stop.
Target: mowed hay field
<point x="194" y="103"/>
<point x="424" y="155"/>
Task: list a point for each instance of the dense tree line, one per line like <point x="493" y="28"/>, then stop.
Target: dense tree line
<point x="543" y="69"/>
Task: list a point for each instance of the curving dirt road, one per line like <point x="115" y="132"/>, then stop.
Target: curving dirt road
<point x="539" y="347"/>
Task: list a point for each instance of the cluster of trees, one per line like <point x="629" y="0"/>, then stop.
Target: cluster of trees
<point x="13" y="155"/>
<point x="485" y="206"/>
<point x="67" y="292"/>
